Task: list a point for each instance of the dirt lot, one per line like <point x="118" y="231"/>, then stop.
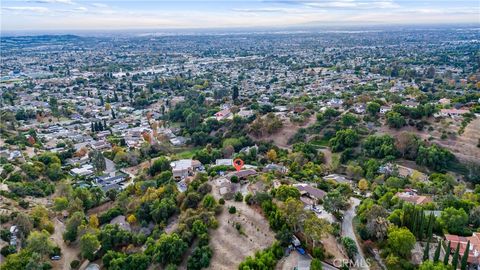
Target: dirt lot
<point x="69" y="253"/>
<point x="464" y="146"/>
<point x="280" y="138"/>
<point x="230" y="247"/>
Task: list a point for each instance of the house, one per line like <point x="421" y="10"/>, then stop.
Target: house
<point x="223" y="114"/>
<point x="85" y="170"/>
<point x="410" y="104"/>
<point x="13" y="237"/>
<point x="410" y="195"/>
<point x="444" y="101"/>
<point x="474" y="252"/>
<point x="224" y="162"/>
<point x="385" y="109"/>
<point x="402" y="171"/>
<point x="100" y="145"/>
<point x="335" y="103"/>
<point x="451" y="113"/>
<point x="111" y="181"/>
<point x="359" y="108"/>
<point x="243" y="174"/>
<point x="275" y="168"/>
<point x="184" y="168"/>
<point x="311" y="192"/>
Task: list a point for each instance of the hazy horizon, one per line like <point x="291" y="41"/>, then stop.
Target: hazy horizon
<point x="106" y="15"/>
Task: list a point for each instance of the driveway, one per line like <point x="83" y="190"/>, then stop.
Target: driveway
<point x="68" y="253"/>
<point x="349" y="231"/>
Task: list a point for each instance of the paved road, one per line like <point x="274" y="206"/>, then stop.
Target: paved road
<point x="349" y="231"/>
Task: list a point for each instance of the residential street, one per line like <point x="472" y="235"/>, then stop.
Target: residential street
<point x="349" y="231"/>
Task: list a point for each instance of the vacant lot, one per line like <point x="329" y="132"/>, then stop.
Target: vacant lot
<point x="231" y="246"/>
<point x="281" y="137"/>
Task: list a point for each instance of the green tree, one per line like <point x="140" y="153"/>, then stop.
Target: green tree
<point x="436" y="256"/>
<point x="463" y="265"/>
<point x="350" y="247"/>
<point x="429" y="265"/>
<point x="159" y="165"/>
<point x="169" y="249"/>
<point x="334" y="201"/>
<point x="71" y="226"/>
<point x="455" y="256"/>
<point x="200" y="258"/>
<point x="40" y="242"/>
<point x="235" y="92"/>
<point x="373" y="108"/>
<point x="395" y="120"/>
<point x="98" y="161"/>
<point x="316" y="264"/>
<point x="453" y="220"/>
<point x="401" y="241"/>
<point x="284" y="192"/>
<point x="89" y="244"/>
<point x="447" y="254"/>
<point x="426" y="252"/>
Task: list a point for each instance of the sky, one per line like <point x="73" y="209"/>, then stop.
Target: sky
<point x="51" y="15"/>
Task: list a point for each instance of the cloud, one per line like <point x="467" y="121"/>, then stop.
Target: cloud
<point x="100" y="5"/>
<point x="81" y="9"/>
<point x="68" y="2"/>
<point x="28" y="9"/>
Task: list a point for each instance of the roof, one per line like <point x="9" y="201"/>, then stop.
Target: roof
<point x="244" y="173"/>
<point x="413" y="198"/>
<point x="473" y="254"/>
<point x="310" y="191"/>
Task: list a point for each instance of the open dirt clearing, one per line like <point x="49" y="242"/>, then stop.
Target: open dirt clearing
<point x="230" y="247"/>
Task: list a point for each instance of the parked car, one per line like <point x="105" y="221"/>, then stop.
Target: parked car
<point x="56" y="257"/>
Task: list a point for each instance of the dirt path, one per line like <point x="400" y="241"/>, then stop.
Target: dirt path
<point x="69" y="253"/>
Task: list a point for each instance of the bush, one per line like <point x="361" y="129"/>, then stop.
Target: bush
<point x="234" y="179"/>
<point x="238" y="197"/>
<point x="7" y="250"/>
<point x="75" y="264"/>
<point x="221" y="201"/>
<point x="232" y="210"/>
<point x="318" y="253"/>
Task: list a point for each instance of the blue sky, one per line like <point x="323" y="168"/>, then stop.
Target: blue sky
<point x="157" y="14"/>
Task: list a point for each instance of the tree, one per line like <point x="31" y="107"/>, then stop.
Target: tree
<point x="334" y="201"/>
<point x="284" y="192"/>
<point x="169" y="249"/>
<point x="113" y="114"/>
<point x="373" y="108"/>
<point x="363" y="185"/>
<point x="315" y="228"/>
<point x="316" y="264"/>
<point x="350" y="247"/>
<point x="434" y="157"/>
<point x="89" y="244"/>
<point x="132" y="219"/>
<point x="436" y="256"/>
<point x="98" y="161"/>
<point x="447" y="254"/>
<point x="453" y="220"/>
<point x="93" y="221"/>
<point x="401" y="241"/>
<point x="343" y="139"/>
<point x="294" y="213"/>
<point x="395" y="120"/>
<point x="426" y="252"/>
<point x="463" y="265"/>
<point x="40" y="243"/>
<point x="200" y="258"/>
<point x="24" y="224"/>
<point x="71" y="226"/>
<point x="429" y="265"/>
<point x="235" y="92"/>
<point x="159" y="165"/>
<point x="455" y="256"/>
<point x="272" y="155"/>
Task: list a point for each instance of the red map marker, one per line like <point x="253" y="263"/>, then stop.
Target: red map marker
<point x="238" y="164"/>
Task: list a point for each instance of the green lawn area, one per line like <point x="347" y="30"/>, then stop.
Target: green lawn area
<point x="186" y="153"/>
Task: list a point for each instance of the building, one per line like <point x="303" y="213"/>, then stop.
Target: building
<point x="85" y="170"/>
<point x="184" y="168"/>
<point x="385" y="109"/>
<point x="474" y="252"/>
<point x="451" y="112"/>
<point x="311" y="192"/>
<point x="224" y="162"/>
<point x="410" y="196"/>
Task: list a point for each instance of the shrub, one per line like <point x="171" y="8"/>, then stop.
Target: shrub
<point x="232" y="210"/>
<point x="238" y="197"/>
<point x="221" y="201"/>
<point x="75" y="264"/>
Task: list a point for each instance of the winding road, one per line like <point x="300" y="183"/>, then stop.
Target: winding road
<point x="349" y="231"/>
